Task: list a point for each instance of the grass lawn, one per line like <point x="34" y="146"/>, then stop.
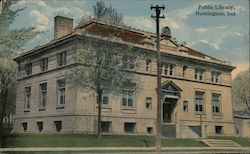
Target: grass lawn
<point x="79" y="140"/>
<point x="245" y="142"/>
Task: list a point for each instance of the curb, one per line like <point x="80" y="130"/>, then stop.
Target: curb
<point x="125" y="149"/>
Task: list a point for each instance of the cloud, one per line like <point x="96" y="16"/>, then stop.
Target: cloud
<point x="64" y="9"/>
<point x="41" y="3"/>
<point x="140" y="22"/>
<point x="201" y="30"/>
<point x="42" y="23"/>
<point x="22" y="2"/>
<point x="212" y="45"/>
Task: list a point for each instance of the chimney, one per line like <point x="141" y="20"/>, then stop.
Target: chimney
<point x="166" y="33"/>
<point x="62" y="26"/>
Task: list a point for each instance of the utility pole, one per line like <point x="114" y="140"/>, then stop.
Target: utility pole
<point x="158" y="118"/>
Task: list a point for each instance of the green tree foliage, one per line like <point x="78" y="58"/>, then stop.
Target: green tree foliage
<point x="11" y="42"/>
<point x="241" y="90"/>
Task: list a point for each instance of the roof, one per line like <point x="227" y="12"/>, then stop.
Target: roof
<point x="129" y="34"/>
<point x="125" y="34"/>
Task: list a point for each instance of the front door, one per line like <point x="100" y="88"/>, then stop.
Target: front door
<point x="167" y="110"/>
<point x="167" y="113"/>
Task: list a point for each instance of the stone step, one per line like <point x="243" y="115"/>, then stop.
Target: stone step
<point x="220" y="143"/>
<point x="187" y="132"/>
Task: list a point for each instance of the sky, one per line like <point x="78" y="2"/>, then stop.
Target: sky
<point x="224" y="37"/>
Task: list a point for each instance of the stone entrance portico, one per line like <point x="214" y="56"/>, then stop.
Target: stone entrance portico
<point x="170" y="96"/>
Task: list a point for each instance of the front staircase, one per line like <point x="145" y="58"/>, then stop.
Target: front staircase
<point x="190" y="131"/>
<point x="219" y="143"/>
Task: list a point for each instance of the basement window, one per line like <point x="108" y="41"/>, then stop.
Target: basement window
<point x="25" y="126"/>
<point x="106" y="126"/>
<point x="150" y="130"/>
<point x="58" y="125"/>
<point x="218" y="129"/>
<point x="129" y="127"/>
<point x="40" y="126"/>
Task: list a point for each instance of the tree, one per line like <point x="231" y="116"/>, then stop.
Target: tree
<point x="106" y="14"/>
<point x="104" y="69"/>
<point x="11" y="42"/>
<point x="101" y="68"/>
<point x="241" y="90"/>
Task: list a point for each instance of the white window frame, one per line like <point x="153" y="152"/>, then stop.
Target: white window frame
<point x="199" y="101"/>
<point x="27" y="100"/>
<point x="61" y="91"/>
<point x="199" y="74"/>
<point x="61" y="59"/>
<point x="167" y="69"/>
<point x="185" y="106"/>
<point x="128" y="96"/>
<point x="216" y="103"/>
<point x="28" y="69"/>
<point x="43" y="96"/>
<point x="128" y="63"/>
<point x="215" y="77"/>
<point x="44" y="64"/>
<point x="148" y="102"/>
<point x="148" y="65"/>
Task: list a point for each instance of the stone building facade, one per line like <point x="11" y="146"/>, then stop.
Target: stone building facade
<point x="196" y="88"/>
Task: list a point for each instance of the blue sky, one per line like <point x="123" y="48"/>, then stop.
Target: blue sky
<point x="223" y="37"/>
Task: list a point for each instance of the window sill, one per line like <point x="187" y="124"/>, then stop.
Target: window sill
<point x="128" y="108"/>
<point x="41" y="109"/>
<point x="60" y="107"/>
<point x="200" y="113"/>
<point x="217" y="115"/>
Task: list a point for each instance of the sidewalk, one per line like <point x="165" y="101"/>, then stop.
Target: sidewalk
<point x="131" y="149"/>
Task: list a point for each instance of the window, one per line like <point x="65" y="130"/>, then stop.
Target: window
<point x="199" y="74"/>
<point x="106" y="126"/>
<point x="61" y="92"/>
<point x="27" y="97"/>
<point x="148" y="65"/>
<point x="105" y="100"/>
<point x="150" y="130"/>
<point x="129" y="127"/>
<point x="28" y="69"/>
<point x="215" y="77"/>
<point x="148" y="102"/>
<point x="199" y="98"/>
<point x="25" y="126"/>
<point x="58" y="125"/>
<point x="218" y="129"/>
<point x="216" y="102"/>
<point x="167" y="69"/>
<point x="185" y="106"/>
<point x="61" y="58"/>
<point x="184" y="71"/>
<point x="43" y="96"/>
<point x="40" y="126"/>
<point x="44" y="64"/>
<point x="127" y="99"/>
<point x="128" y="62"/>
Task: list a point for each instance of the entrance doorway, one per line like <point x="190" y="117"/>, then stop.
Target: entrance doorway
<point x="167" y="110"/>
